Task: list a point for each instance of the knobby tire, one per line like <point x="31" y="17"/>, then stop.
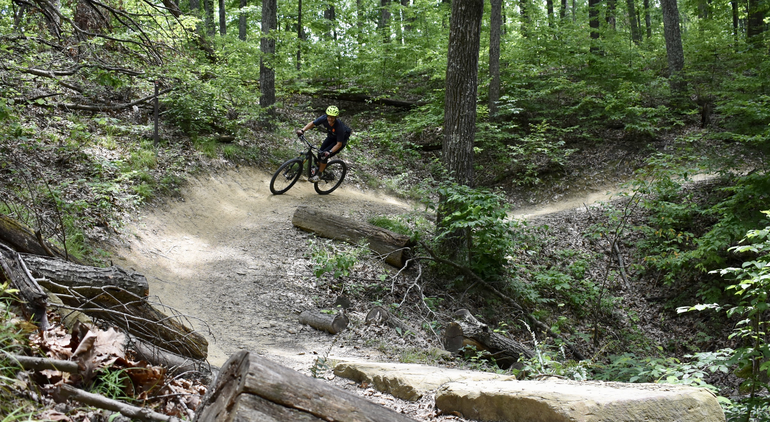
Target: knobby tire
<point x="332" y="177"/>
<point x="286" y="176"/>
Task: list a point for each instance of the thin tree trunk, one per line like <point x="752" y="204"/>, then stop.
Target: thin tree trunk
<point x="222" y="20"/>
<point x="674" y="50"/>
<point x="300" y="34"/>
<point x="549" y="9"/>
<point x="242" y="22"/>
<point x="734" y="6"/>
<point x="384" y="23"/>
<point x="267" y="46"/>
<point x="496" y="22"/>
<point x="647" y="18"/>
<point x="636" y="36"/>
<point x="563" y="10"/>
<point x="208" y="10"/>
<point x="524" y="12"/>
<point x="755" y="22"/>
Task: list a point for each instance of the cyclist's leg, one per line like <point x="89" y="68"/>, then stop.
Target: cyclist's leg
<point x="327" y="145"/>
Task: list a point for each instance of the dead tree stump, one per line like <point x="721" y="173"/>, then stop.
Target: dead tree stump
<point x="468" y="331"/>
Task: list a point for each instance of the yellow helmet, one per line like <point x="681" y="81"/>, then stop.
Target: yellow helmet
<point x="332" y="111"/>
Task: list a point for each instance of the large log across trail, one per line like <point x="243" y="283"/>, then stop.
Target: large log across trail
<point x="393" y="247"/>
<point x="253" y="388"/>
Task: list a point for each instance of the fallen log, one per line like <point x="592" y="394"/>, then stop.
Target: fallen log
<point x="252" y="388"/>
<point x="39" y="364"/>
<point x="468" y="331"/>
<point x="119" y="297"/>
<point x="331" y="323"/>
<point x="34" y="297"/>
<point x="393" y="246"/>
<point x="65" y="276"/>
<point x="364" y="98"/>
<point x="23" y="239"/>
<point x="379" y="315"/>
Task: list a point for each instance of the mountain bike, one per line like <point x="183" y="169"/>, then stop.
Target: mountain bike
<point x="290" y="171"/>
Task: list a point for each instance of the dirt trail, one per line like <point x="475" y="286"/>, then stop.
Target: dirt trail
<point x="228" y="257"/>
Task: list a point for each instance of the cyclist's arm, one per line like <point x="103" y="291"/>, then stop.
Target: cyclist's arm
<point x="308" y="127"/>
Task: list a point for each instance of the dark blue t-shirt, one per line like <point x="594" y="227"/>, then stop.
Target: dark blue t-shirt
<point x="340" y="130"/>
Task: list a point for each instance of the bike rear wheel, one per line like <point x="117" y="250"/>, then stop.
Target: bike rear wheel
<point x="286" y="176"/>
<point x="332" y="177"/>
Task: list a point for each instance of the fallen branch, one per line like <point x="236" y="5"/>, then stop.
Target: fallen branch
<point x="39" y="364"/>
<point x="65" y="392"/>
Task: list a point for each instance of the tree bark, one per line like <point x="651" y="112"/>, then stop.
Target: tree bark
<point x="461" y="89"/>
<point x="242" y="21"/>
<point x="22" y="239"/>
<point x="35" y="299"/>
<point x="252" y="388"/>
<point x="755" y="22"/>
<point x="674" y="50"/>
<point x="222" y="19"/>
<point x="267" y="46"/>
<point x="394" y="247"/>
<point x="331" y="323"/>
<point x="495" y="25"/>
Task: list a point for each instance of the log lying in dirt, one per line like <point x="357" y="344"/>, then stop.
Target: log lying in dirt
<point x="468" y="331"/>
<point x="331" y="323"/>
<point x="65" y="276"/>
<point x="379" y="315"/>
<point x="22" y="239"/>
<point x="34" y="297"/>
<point x="393" y="246"/>
<point x="119" y="297"/>
<point x="252" y="388"/>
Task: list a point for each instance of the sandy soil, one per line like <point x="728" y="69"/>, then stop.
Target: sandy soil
<point x="227" y="256"/>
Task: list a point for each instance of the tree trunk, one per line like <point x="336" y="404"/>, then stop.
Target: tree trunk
<point x="460" y="106"/>
<point x="208" y="19"/>
<point x="755" y="22"/>
<point x="468" y="331"/>
<point x="394" y="247"/>
<point x="495" y="25"/>
<point x="636" y="36"/>
<point x="252" y="388"/>
<point x="647" y="18"/>
<point x="674" y="50"/>
<point x="242" y="21"/>
<point x="300" y="34"/>
<point x="593" y="20"/>
<point x="461" y="89"/>
<point x="222" y="19"/>
<point x="734" y="7"/>
<point x="549" y="11"/>
<point x="331" y="323"/>
<point x="384" y="24"/>
<point x="524" y="14"/>
<point x="267" y="46"/>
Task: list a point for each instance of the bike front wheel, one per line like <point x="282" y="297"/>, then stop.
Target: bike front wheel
<point x="286" y="176"/>
<point x="332" y="177"/>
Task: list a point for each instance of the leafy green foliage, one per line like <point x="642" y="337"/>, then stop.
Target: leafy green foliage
<point x="336" y="260"/>
<point x="482" y="214"/>
<point x="693" y="370"/>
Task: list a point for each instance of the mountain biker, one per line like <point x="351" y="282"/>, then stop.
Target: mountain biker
<point x="337" y="134"/>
